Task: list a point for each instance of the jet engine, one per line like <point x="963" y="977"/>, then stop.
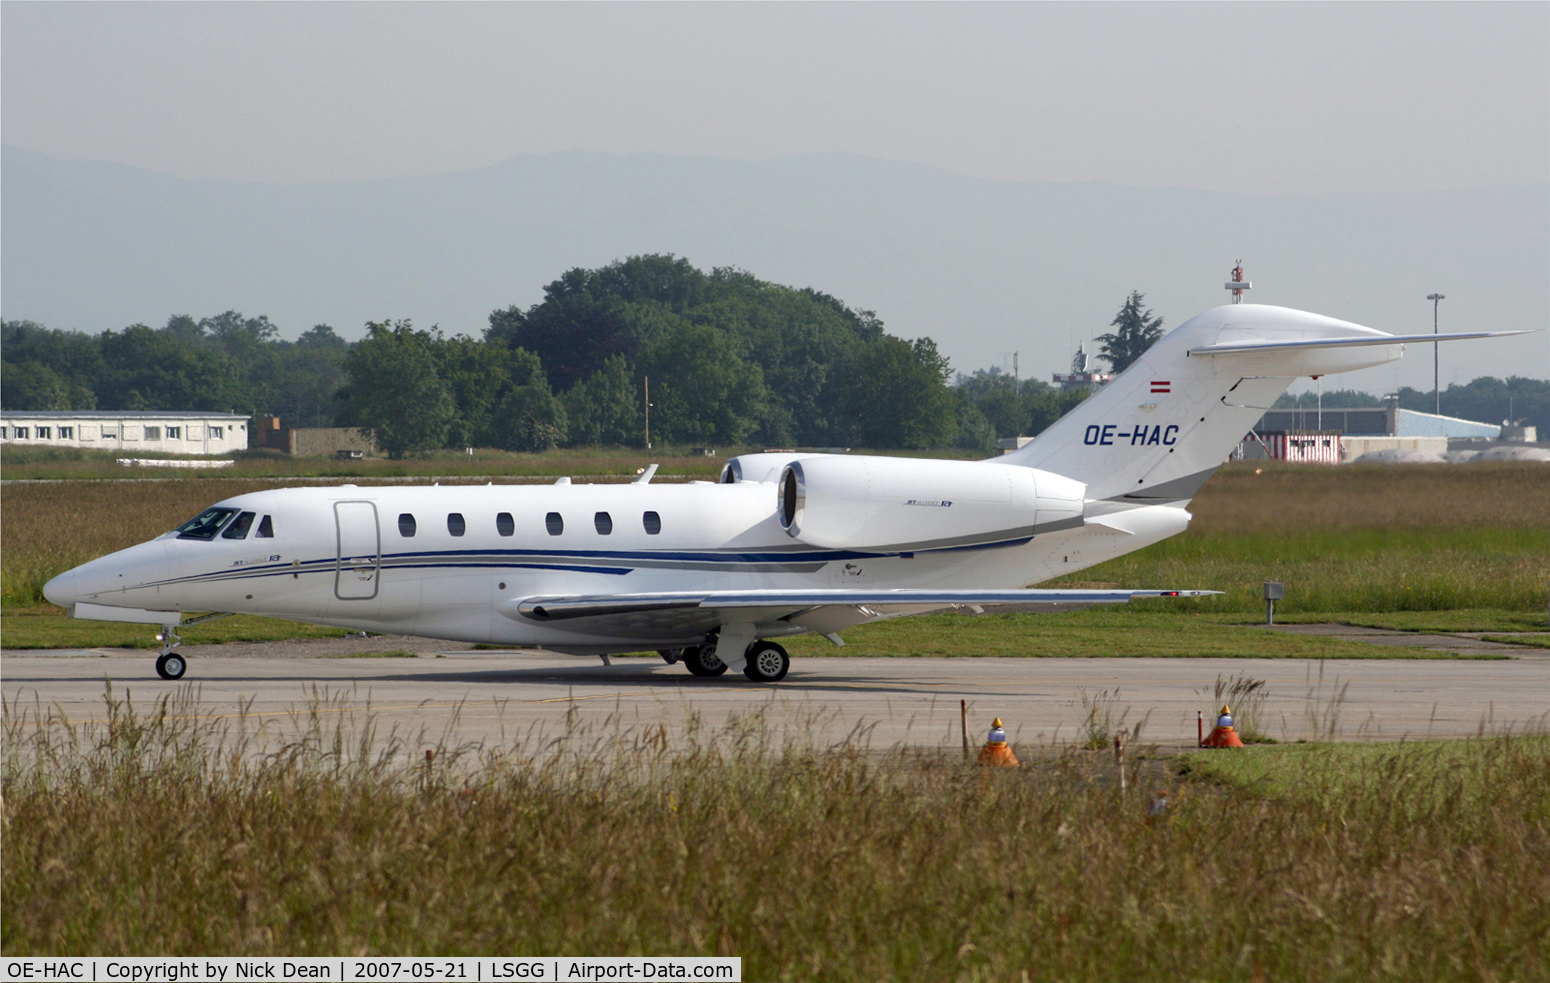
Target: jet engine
<point x="874" y="502"/>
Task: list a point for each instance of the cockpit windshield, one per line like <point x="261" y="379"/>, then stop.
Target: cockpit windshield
<point x="206" y="524"/>
<point x="239" y="527"/>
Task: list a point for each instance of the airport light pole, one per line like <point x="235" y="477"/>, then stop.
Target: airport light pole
<point x="1436" y="356"/>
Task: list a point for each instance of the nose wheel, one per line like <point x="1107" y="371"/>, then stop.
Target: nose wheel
<point x="169" y="665"/>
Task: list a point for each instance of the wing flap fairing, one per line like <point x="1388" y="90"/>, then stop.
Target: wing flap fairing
<point x="822" y="611"/>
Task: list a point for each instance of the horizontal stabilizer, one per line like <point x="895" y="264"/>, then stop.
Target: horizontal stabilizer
<point x="1237" y="347"/>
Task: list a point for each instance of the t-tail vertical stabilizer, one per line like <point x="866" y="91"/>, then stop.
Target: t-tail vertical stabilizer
<point x="1164" y="425"/>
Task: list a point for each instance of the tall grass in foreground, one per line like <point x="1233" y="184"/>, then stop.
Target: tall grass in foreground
<point x="156" y="833"/>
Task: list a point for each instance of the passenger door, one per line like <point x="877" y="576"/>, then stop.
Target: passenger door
<point x="360" y="551"/>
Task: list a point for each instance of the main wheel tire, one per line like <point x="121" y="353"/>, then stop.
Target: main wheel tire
<point x="171" y="666"/>
<point x="702" y="661"/>
<point x="670" y="656"/>
<point x="767" y="663"/>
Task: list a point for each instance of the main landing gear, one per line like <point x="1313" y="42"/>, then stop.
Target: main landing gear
<point x="765" y="662"/>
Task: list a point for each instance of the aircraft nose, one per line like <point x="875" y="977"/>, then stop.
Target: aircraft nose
<point x="63" y="590"/>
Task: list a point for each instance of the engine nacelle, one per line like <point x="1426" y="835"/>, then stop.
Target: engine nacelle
<point x="876" y="502"/>
<point x="760" y="467"/>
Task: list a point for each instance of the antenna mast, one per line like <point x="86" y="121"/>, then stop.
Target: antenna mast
<point x="1237" y="284"/>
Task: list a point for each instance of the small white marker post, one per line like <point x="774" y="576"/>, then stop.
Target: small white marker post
<point x="1119" y="759"/>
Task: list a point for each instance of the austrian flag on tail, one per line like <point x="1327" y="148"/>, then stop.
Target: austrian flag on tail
<point x="1160" y="387"/>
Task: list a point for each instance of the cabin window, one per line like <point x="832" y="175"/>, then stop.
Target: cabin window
<point x="406" y="525"/>
<point x="504" y="524"/>
<point x="455" y="524"/>
<point x="206" y="524"/>
<point x="604" y="523"/>
<point x="265" y="529"/>
<point x="554" y="523"/>
<point x="652" y="522"/>
<point x="239" y="527"/>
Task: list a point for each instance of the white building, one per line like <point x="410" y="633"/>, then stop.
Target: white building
<point x="126" y="430"/>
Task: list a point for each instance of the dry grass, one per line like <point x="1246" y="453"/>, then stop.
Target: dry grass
<point x="1401" y="569"/>
<point x="1283" y="498"/>
<point x="160" y="834"/>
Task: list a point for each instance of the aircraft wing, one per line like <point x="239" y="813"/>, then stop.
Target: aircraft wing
<point x="822" y="611"/>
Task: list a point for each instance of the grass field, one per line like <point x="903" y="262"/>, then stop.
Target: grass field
<point x="1440" y="547"/>
<point x="162" y="834"/>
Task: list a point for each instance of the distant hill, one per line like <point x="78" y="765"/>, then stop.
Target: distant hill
<point x="984" y="267"/>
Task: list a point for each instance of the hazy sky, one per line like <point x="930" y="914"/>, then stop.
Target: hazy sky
<point x="1256" y="98"/>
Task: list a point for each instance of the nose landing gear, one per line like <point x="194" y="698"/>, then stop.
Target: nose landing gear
<point x="169" y="665"/>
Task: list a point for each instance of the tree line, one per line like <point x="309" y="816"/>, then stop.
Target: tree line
<point x="1515" y="399"/>
<point x="728" y="359"/>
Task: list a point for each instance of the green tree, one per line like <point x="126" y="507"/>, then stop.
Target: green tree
<point x="1135" y="330"/>
<point x="799" y="339"/>
<point x="1332" y="399"/>
<point x="703" y="391"/>
<point x="1488" y="400"/>
<point x="478" y="375"/>
<point x="584" y="317"/>
<point x="973" y="430"/>
<point x="895" y="394"/>
<point x="34" y="386"/>
<point x="312" y="371"/>
<point x="72" y="360"/>
<point x="605" y="408"/>
<point x="148" y="369"/>
<point x="527" y="416"/>
<point x="395" y="393"/>
<point x="253" y="349"/>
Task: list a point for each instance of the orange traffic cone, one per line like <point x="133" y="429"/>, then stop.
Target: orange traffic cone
<point x="1223" y="735"/>
<point x="996" y="753"/>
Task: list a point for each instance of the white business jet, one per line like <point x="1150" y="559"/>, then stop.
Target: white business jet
<point x="710" y="573"/>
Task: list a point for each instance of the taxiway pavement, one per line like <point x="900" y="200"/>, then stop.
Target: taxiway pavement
<point x="527" y="698"/>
